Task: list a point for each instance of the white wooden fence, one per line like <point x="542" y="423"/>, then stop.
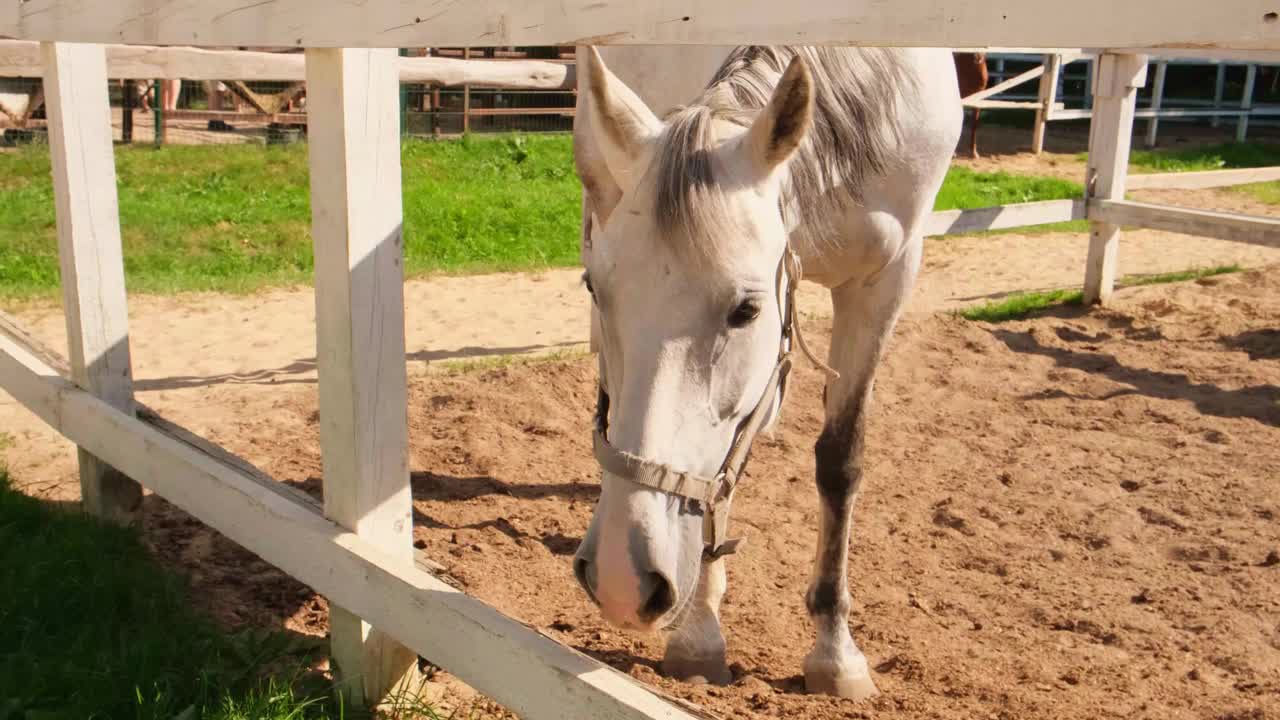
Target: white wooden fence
<point x="357" y="551"/>
<point x="1048" y="107"/>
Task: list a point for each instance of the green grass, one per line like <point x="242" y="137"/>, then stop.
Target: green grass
<point x="1209" y="157"/>
<point x="236" y="218"/>
<point x="92" y="627"/>
<point x="1216" y="157"/>
<point x="1020" y="305"/>
<point x="965" y="189"/>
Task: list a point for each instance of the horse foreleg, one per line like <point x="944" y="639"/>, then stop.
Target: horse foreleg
<point x="695" y="649"/>
<point x="973" y="132"/>
<point x="864" y="316"/>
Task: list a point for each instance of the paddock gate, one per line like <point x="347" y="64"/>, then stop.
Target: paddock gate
<point x="357" y="549"/>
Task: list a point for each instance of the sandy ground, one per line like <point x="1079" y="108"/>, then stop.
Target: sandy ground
<point x="1069" y="516"/>
<point x="1064" y="516"/>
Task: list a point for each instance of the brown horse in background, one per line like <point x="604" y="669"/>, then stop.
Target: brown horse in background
<point x="971" y="71"/>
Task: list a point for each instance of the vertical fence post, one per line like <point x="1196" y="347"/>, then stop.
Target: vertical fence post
<point x="353" y="107"/>
<point x="1110" y="136"/>
<point x="1048" y="90"/>
<point x="126" y="111"/>
<point x="1219" y="83"/>
<point x="404" y="100"/>
<point x="1246" y="102"/>
<point x="466" y="98"/>
<point x="89" y="253"/>
<point x="1157" y="101"/>
<point x="157" y="109"/>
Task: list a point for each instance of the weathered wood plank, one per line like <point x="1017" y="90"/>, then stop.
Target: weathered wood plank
<point x="21" y="58"/>
<point x="1110" y="137"/>
<point x="1243" y="24"/>
<point x="1001" y="217"/>
<point x="89" y="253"/>
<point x="1203" y="223"/>
<point x="1204" y="179"/>
<point x="356" y="226"/>
<point x="516" y="665"/>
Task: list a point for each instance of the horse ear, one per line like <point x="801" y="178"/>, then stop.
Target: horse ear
<point x="785" y="122"/>
<point x="624" y="125"/>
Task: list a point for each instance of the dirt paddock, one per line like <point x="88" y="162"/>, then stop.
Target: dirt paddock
<point x="1072" y="516"/>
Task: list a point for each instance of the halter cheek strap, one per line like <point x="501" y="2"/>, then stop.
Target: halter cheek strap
<point x="714" y="494"/>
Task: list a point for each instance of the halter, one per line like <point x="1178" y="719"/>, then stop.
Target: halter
<point x="714" y="494"/>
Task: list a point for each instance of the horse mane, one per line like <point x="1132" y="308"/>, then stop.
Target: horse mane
<point x="857" y="92"/>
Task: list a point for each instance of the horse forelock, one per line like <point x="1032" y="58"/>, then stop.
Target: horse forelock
<point x="854" y="137"/>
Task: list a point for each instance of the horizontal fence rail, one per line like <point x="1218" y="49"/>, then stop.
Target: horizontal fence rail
<point x="514" y="664"/>
<point x="1241" y="24"/>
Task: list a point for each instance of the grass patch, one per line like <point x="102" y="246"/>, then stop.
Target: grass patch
<point x="92" y="627"/>
<point x="1210" y="157"/>
<point x="236" y="218"/>
<point x="1263" y="192"/>
<point x="1020" y="305"/>
<point x="966" y="189"/>
<point x="1224" y="156"/>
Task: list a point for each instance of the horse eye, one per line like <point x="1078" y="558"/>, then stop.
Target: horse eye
<point x="742" y="315"/>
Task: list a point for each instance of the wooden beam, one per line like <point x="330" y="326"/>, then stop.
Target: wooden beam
<point x="1242" y="24"/>
<point x="1110" y="135"/>
<point x="1246" y="103"/>
<point x="89" y="253"/>
<point x="1048" y="90"/>
<point x="1202" y="223"/>
<point x="1010" y="104"/>
<point x="354" y="146"/>
<point x="21" y="58"/>
<point x="1157" y="101"/>
<point x="526" y="671"/>
<point x="1005" y="85"/>
<point x="1206" y="179"/>
<point x="1001" y="217"/>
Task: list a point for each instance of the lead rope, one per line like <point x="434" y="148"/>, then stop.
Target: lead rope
<point x="796" y="272"/>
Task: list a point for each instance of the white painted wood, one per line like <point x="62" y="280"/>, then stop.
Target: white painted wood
<point x="1048" y="90"/>
<point x="1110" y="134"/>
<point x="1239" y="24"/>
<point x="1206" y="179"/>
<point x="1010" y="104"/>
<point x="353" y="103"/>
<point x="1203" y="223"/>
<point x="1246" y="103"/>
<point x="1157" y="101"/>
<point x="1006" y="85"/>
<point x="1001" y="217"/>
<point x="21" y="58"/>
<point x="1218" y="54"/>
<point x="89" y="253"/>
<point x="533" y="675"/>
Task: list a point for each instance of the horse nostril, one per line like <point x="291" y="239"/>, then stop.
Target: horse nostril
<point x="659" y="599"/>
<point x="582" y="571"/>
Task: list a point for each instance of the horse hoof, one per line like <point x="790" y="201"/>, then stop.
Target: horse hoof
<point x="843" y="673"/>
<point x="705" y="671"/>
<point x="847" y="685"/>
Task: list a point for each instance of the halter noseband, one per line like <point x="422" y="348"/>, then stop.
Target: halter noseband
<point x="714" y="494"/>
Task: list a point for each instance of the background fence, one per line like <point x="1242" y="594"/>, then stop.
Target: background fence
<point x="199" y="112"/>
<point x="1208" y="92"/>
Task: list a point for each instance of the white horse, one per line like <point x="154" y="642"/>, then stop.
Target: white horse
<point x="694" y="229"/>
